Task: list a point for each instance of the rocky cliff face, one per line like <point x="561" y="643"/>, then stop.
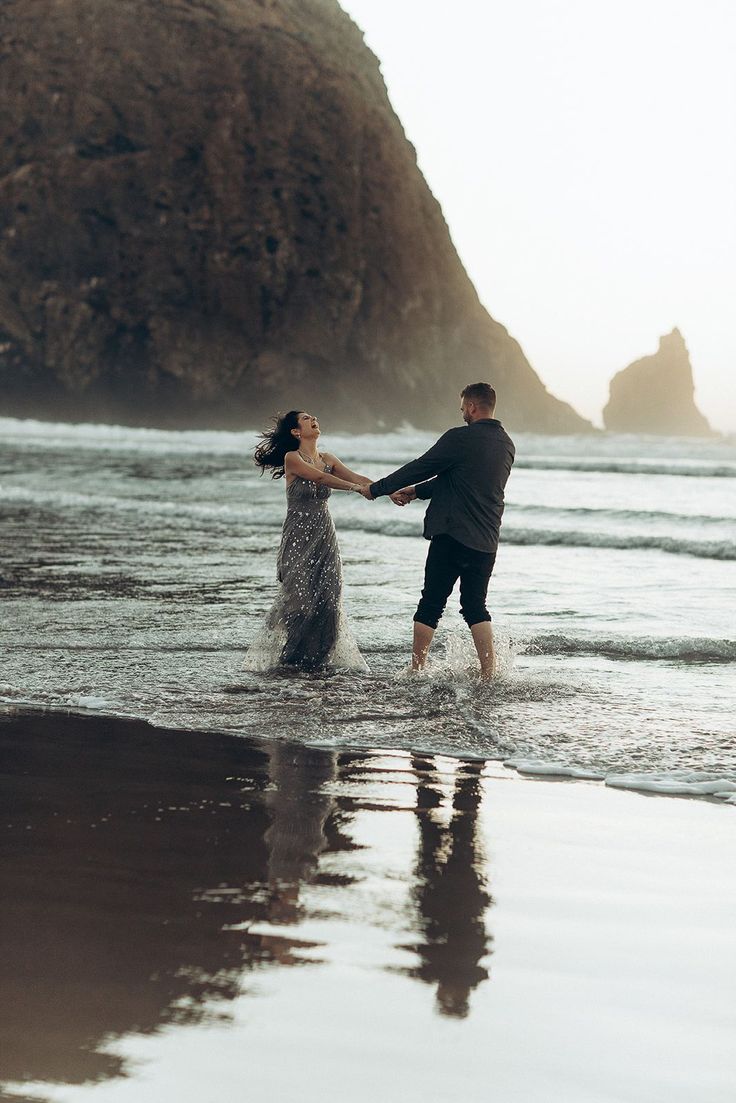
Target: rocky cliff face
<point x="655" y="394"/>
<point x="208" y="210"/>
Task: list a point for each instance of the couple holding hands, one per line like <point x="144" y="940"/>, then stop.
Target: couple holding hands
<point x="462" y="475"/>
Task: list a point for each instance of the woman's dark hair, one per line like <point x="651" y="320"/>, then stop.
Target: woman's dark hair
<point x="271" y="452"/>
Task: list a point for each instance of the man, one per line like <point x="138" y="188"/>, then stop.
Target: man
<point x="465" y="473"/>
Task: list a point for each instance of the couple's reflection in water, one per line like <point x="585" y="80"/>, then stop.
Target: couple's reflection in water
<point x="149" y="874"/>
<point x="450" y="887"/>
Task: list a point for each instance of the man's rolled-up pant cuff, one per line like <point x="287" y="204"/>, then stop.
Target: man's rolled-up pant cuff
<point x="429" y="618"/>
<point x="476" y="617"/>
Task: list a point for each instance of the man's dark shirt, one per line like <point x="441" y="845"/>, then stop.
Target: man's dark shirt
<point x="466" y="471"/>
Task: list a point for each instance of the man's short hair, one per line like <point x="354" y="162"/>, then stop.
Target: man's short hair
<point x="482" y="394"/>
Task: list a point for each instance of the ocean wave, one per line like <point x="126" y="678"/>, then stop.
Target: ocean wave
<point x="688" y="468"/>
<point x="390" y="449"/>
<point x="56" y="436"/>
<point x="381" y="526"/>
<point x="701" y="549"/>
<point x="608" y="453"/>
<point x="693" y="649"/>
<point x="460" y="654"/>
<point x="270" y="516"/>
<point x="642" y="516"/>
<point x="262" y="514"/>
<point x="528" y="537"/>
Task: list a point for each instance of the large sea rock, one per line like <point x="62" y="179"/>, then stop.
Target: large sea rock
<point x="656" y="394"/>
<point x="209" y="210"/>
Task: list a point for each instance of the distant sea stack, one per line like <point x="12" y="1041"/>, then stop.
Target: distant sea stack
<point x="655" y="394"/>
<point x="209" y="210"/>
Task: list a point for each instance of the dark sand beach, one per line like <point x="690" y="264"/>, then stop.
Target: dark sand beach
<point x="193" y="916"/>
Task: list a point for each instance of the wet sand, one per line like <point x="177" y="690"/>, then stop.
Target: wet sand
<point x="197" y="917"/>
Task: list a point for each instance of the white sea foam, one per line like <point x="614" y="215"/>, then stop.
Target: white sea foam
<point x="265" y="651"/>
<point x="459" y="663"/>
<point x="537" y="768"/>
<point x="721" y="788"/>
<point x="89" y="701"/>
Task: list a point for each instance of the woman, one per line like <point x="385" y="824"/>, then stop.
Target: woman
<point x="306" y="627"/>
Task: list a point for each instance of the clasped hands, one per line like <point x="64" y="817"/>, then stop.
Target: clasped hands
<point x="399" y="497"/>
<point x="404" y="496"/>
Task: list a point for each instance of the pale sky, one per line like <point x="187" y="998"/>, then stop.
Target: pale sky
<point x="584" y="153"/>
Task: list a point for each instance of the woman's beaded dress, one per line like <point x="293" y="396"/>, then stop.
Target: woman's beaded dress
<point x="306" y="627"/>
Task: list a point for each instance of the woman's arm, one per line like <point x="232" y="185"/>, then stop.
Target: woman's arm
<point x="295" y="465"/>
<point x="344" y="472"/>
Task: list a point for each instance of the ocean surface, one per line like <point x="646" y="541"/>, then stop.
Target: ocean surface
<point x="136" y="566"/>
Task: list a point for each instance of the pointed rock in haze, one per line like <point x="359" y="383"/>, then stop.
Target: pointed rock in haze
<point x="656" y="394"/>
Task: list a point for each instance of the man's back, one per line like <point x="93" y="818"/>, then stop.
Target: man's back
<point x="467" y="499"/>
<point x="467" y="470"/>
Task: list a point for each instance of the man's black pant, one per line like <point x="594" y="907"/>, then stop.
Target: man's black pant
<point x="447" y="561"/>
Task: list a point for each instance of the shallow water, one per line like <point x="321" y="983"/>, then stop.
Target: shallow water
<point x="136" y="566"/>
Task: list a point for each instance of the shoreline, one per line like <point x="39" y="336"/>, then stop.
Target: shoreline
<point x="720" y="793"/>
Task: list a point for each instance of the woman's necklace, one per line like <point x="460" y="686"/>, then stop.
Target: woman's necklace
<point x="306" y="458"/>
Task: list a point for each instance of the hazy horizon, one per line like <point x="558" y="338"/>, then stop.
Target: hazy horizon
<point x="585" y="163"/>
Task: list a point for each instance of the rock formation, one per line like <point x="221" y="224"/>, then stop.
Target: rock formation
<point x="209" y="210"/>
<point x="655" y="394"/>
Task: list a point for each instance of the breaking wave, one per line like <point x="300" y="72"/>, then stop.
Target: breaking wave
<point x="691" y="649"/>
<point x="689" y="468"/>
<point x="702" y="549"/>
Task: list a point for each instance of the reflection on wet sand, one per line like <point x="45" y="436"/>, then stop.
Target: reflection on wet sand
<point x="450" y="886"/>
<point x="298" y="810"/>
<point x="145" y="871"/>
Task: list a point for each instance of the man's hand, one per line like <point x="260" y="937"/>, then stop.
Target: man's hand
<point x="403" y="497"/>
<point x="366" y="492"/>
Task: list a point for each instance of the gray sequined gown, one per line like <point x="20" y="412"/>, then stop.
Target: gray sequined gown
<point x="306" y="627"/>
